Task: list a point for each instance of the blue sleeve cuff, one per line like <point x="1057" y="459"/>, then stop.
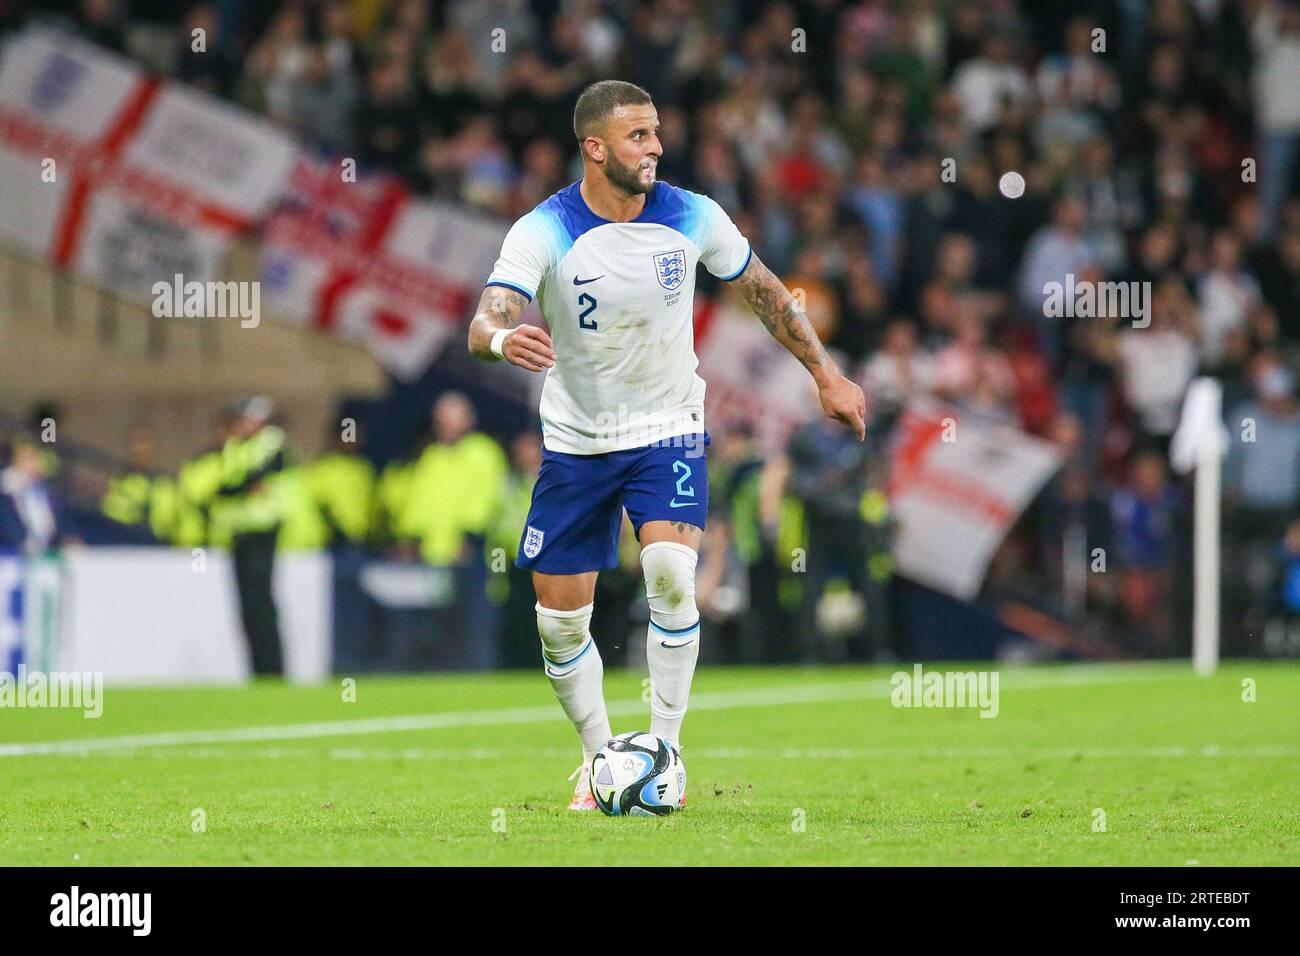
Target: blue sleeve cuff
<point x="520" y="289"/>
<point x="745" y="265"/>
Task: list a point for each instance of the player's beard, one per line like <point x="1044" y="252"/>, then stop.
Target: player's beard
<point x="627" y="178"/>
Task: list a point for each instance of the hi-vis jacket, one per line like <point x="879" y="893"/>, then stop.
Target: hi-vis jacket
<point x="250" y="468"/>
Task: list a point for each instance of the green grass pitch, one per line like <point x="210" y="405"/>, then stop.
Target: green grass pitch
<point x="1083" y="765"/>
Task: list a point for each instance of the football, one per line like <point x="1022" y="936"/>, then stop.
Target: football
<point x="638" y="775"/>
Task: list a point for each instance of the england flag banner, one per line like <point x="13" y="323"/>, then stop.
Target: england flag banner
<point x="957" y="485"/>
<point x="63" y="105"/>
<point x="196" y="174"/>
<point x="749" y="376"/>
<point x="124" y="180"/>
<point x="365" y="261"/>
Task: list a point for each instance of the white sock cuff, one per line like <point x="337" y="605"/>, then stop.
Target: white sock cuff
<point x="671" y="546"/>
<point x="565" y="635"/>
<point x="584" y="611"/>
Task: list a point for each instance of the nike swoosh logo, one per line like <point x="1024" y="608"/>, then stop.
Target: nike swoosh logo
<point x="680" y="644"/>
<point x="681" y="504"/>
<point x="577" y="281"/>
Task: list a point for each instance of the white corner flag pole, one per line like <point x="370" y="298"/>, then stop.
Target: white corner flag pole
<point x="1200" y="443"/>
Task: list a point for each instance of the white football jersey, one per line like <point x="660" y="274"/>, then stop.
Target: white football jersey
<point x="618" y="297"/>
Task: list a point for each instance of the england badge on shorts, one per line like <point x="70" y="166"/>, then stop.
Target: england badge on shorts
<point x="532" y="542"/>
<point x="670" y="268"/>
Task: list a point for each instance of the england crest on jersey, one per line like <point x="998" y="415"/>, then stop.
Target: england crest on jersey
<point x="532" y="542"/>
<point x="670" y="268"/>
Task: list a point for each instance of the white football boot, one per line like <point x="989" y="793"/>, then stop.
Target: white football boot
<point x="582" y="798"/>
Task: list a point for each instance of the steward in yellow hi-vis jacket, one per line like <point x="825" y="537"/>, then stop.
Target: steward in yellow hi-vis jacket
<point x="456" y="487"/>
<point x="391" y="490"/>
<point x="198" y="519"/>
<point x="251" y="463"/>
<point x="302" y="527"/>
<point x="343" y="487"/>
<point x="139" y="499"/>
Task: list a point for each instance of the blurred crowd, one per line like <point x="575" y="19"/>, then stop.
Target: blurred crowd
<point x="860" y="146"/>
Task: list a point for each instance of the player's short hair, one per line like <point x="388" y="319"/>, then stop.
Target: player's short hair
<point x="598" y="100"/>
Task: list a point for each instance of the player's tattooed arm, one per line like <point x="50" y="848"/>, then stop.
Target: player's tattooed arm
<point x="526" y="346"/>
<point x="780" y="314"/>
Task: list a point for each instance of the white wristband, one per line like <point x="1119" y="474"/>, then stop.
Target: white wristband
<point x="499" y="342"/>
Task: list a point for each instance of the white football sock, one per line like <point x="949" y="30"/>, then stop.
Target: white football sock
<point x="573" y="666"/>
<point x="672" y="642"/>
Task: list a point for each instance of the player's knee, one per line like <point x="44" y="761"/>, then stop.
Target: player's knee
<point x="566" y="636"/>
<point x="669" y="570"/>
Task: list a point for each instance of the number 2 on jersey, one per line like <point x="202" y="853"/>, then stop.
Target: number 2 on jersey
<point x="590" y="304"/>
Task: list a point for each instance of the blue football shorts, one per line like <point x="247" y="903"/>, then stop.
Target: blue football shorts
<point x="577" y="510"/>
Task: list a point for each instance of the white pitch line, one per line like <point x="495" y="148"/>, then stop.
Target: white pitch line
<point x="717" y="700"/>
<point x="1179" y="752"/>
<point x="464" y="718"/>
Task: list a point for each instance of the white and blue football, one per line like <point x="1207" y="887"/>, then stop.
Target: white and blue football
<point x="638" y="775"/>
